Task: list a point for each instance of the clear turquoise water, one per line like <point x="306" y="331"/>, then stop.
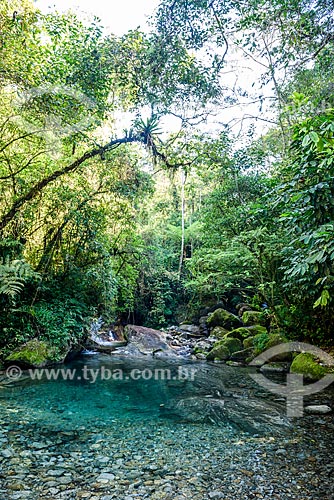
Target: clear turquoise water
<point x="160" y="439"/>
<point x="106" y="402"/>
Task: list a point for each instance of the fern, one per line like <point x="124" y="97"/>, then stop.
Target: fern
<point x="13" y="275"/>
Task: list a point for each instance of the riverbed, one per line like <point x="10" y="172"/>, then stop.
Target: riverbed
<point x="143" y="429"/>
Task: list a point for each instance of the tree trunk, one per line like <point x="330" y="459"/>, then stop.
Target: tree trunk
<point x="183" y="206"/>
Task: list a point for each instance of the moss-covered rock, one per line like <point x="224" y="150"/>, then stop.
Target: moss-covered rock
<point x="245" y="332"/>
<point x="243" y="355"/>
<point x="257" y="330"/>
<point x="219" y="351"/>
<point x="233" y="344"/>
<point x="260" y="341"/>
<point x="250" y="318"/>
<point x="223" y="318"/>
<point x="306" y="364"/>
<point x="249" y="342"/>
<point x="36" y="354"/>
<point x="219" y="332"/>
<point x="264" y="341"/>
<point x="223" y="349"/>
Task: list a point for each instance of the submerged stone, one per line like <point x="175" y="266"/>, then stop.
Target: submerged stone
<point x="318" y="409"/>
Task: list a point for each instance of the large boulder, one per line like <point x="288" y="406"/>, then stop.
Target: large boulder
<point x="306" y="364"/>
<point x="148" y="342"/>
<point x="218" y="332"/>
<point x="245" y="332"/>
<point x="223" y="318"/>
<point x="250" y="318"/>
<point x="264" y="341"/>
<point x="191" y="329"/>
<point x="219" y="352"/>
<point x="223" y="349"/>
<point x="36" y="354"/>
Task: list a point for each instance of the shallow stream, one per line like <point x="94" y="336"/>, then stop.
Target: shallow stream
<point x="158" y="430"/>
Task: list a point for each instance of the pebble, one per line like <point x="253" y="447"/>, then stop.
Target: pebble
<point x="105" y="477"/>
<point x="318" y="409"/>
<point x="143" y="456"/>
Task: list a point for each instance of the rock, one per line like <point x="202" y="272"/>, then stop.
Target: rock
<point x="242" y="307"/>
<point x="232" y="344"/>
<point x="223" y="318"/>
<point x="242" y="355"/>
<point x="275" y="368"/>
<point x="318" y="409"/>
<point x="203" y="325"/>
<point x="219" y="352"/>
<point x="256" y="329"/>
<point x="36" y="354"/>
<point x="7" y="453"/>
<point x="263" y="341"/>
<point x="38" y="445"/>
<point x="306" y="364"/>
<point x="144" y="341"/>
<point x="281" y="451"/>
<point x="192" y="329"/>
<point x="202" y="346"/>
<point x="201" y="355"/>
<point x="250" y="318"/>
<point x="216" y="494"/>
<point x="105" y="477"/>
<point x="223" y="349"/>
<point x="218" y="332"/>
<point x="246" y="332"/>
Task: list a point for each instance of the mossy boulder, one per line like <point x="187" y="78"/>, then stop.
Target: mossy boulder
<point x="249" y="342"/>
<point x="245" y="332"/>
<point x="306" y="364"/>
<point x="220" y="352"/>
<point x="258" y="341"/>
<point x="250" y="318"/>
<point x="233" y="344"/>
<point x="223" y="349"/>
<point x="223" y="318"/>
<point x="219" y="332"/>
<point x="257" y="330"/>
<point x="264" y="341"/>
<point x="35" y="354"/>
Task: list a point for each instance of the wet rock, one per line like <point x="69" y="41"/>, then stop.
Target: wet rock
<point x="8" y="453"/>
<point x="192" y="329"/>
<point x="105" y="477"/>
<point x="242" y="355"/>
<point x="318" y="409"/>
<point x="39" y="446"/>
<point x="242" y="307"/>
<point x="216" y="494"/>
<point x="144" y="341"/>
<point x="275" y="368"/>
<point x="200" y="355"/>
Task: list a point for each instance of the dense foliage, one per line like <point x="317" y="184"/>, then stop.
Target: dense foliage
<point x="99" y="221"/>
